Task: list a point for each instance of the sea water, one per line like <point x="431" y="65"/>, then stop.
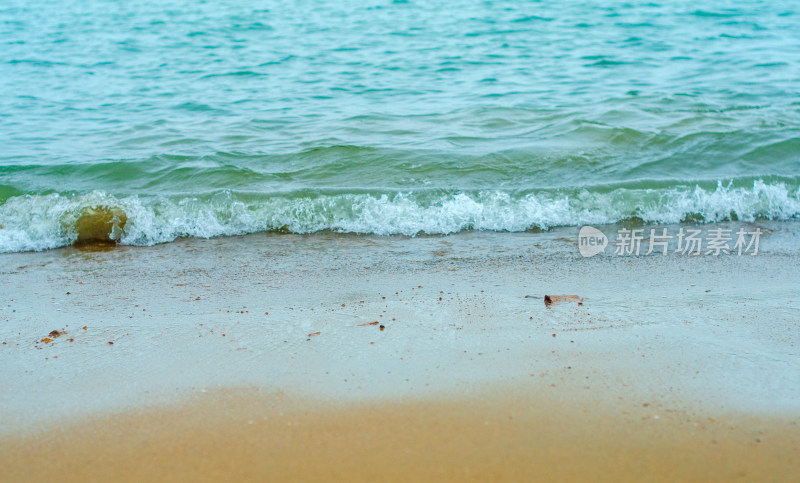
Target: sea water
<point x="147" y="121"/>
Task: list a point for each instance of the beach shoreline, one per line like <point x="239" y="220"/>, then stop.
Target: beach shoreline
<point x="435" y="241"/>
<point x="672" y="367"/>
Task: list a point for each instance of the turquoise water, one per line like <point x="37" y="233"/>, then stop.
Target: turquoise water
<point x="163" y="119"/>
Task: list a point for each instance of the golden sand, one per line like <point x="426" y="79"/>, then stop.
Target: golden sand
<point x="244" y="435"/>
<point x="672" y="369"/>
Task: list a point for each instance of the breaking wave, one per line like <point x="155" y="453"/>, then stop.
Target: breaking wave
<point x="39" y="222"/>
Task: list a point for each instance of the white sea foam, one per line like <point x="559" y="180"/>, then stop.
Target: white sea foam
<point x="42" y="222"/>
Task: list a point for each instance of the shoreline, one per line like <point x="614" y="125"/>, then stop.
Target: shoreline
<point x="204" y="333"/>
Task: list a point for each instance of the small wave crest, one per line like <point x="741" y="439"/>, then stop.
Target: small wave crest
<point x="39" y="222"/>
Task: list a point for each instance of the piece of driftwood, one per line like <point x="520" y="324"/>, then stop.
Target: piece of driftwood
<point x="554" y="299"/>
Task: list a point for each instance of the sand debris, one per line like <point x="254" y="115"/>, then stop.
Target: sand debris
<point x="554" y="299"/>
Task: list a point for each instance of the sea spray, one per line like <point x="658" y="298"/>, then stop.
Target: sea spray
<point x="37" y="222"/>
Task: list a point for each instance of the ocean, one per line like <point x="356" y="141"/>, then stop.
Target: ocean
<point x="143" y="122"/>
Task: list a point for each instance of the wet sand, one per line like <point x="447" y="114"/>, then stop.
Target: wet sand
<point x="254" y="357"/>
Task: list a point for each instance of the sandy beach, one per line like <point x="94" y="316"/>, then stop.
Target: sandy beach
<point x="259" y="357"/>
<point x="399" y="241"/>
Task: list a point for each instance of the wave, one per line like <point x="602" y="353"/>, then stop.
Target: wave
<point x="39" y="222"/>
